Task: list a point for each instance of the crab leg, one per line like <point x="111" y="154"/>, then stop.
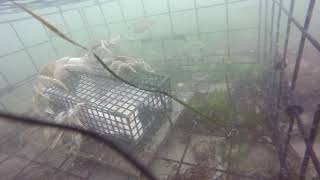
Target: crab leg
<point x="44" y="80"/>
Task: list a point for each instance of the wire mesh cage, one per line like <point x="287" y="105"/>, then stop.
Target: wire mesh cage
<point x="113" y="108"/>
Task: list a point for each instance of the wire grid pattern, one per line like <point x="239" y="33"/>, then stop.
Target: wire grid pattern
<point x="9" y="7"/>
<point x="61" y="12"/>
<point x="112" y="108"/>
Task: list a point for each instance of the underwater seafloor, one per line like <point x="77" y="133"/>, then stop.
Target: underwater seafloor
<point x="233" y="141"/>
<point x="190" y="148"/>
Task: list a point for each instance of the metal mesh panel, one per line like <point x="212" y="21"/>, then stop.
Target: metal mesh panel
<point x="113" y="108"/>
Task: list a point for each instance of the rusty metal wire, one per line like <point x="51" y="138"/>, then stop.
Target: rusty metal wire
<point x="294" y="112"/>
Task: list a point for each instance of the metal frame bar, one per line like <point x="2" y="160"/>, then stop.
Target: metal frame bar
<point x="24" y="48"/>
<point x="160" y="39"/>
<point x="284" y="172"/>
<point x="275" y="59"/>
<point x="278" y="26"/>
<point x="288" y="31"/>
<point x="106" y="2"/>
<point x="227" y="78"/>
<point x="311" y="139"/>
<point x="104" y="17"/>
<point x="304" y="32"/>
<point x="233" y="173"/>
<point x="196" y="15"/>
<point x="66" y="25"/>
<point x="309" y="153"/>
<point x="50" y="42"/>
<point x="170" y="17"/>
<point x="302" y="43"/>
<point x="271" y="32"/>
<point x="265" y="31"/>
<point x="81" y="29"/>
<point x="308" y="144"/>
<point x="124" y="20"/>
<point x="86" y="24"/>
<point x="293" y="114"/>
<point x="259" y="31"/>
<point x="149" y="30"/>
<point x="116" y="22"/>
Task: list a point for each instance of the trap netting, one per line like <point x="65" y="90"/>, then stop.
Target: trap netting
<point x="113" y="108"/>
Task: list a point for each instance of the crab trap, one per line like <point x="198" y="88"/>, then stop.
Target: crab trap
<point x="113" y="108"/>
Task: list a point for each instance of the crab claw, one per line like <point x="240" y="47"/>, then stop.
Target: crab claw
<point x="143" y="66"/>
<point x="39" y="90"/>
<point x="147" y="67"/>
<point x="126" y="59"/>
<point x="125" y="68"/>
<point x="115" y="64"/>
<point x="104" y="44"/>
<point x="45" y="81"/>
<point x="63" y="71"/>
<point x="113" y="41"/>
<point x="63" y="60"/>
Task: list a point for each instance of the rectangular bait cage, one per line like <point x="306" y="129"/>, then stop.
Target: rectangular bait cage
<point x="113" y="108"/>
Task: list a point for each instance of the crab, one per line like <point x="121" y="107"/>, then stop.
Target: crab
<point x="62" y="138"/>
<point x="54" y="74"/>
<point x="123" y="65"/>
<point x="104" y="49"/>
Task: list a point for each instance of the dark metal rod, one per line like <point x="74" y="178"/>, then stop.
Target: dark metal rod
<point x="283" y="172"/>
<point x="158" y="14"/>
<point x="85" y="22"/>
<point x="143" y="8"/>
<point x="265" y="30"/>
<point x="311" y="38"/>
<point x="104" y="18"/>
<point x="309" y="148"/>
<point x="145" y="16"/>
<point x="302" y="43"/>
<point x="286" y="43"/>
<point x="160" y="39"/>
<point x="271" y="32"/>
<point x="227" y="29"/>
<point x="271" y="59"/>
<point x="104" y="2"/>
<point x="184" y="154"/>
<point x="277" y="58"/>
<point x="259" y="31"/>
<point x="124" y="19"/>
<point x="197" y="16"/>
<point x="312" y="137"/>
<point x="163" y="50"/>
<point x="166" y="115"/>
<point x="228" y="58"/>
<point x="55" y="50"/>
<point x="291" y="123"/>
<point x="170" y="17"/>
<point x="213" y="168"/>
<point x="278" y="26"/>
